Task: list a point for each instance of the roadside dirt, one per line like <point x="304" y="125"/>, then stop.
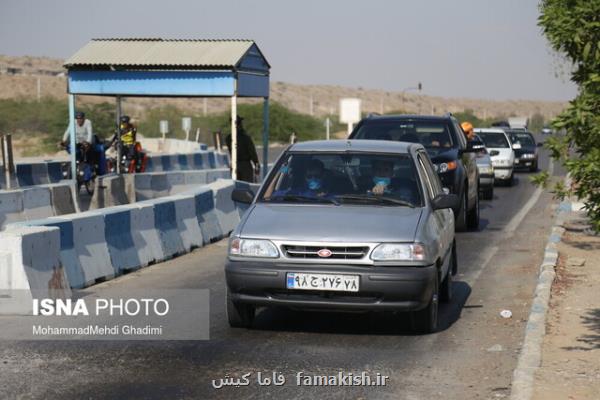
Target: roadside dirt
<point x="570" y="367"/>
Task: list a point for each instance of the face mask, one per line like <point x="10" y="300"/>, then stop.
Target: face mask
<point x="313" y="183"/>
<point x="380" y="180"/>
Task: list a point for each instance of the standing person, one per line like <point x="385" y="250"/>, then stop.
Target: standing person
<point x="83" y="137"/>
<point x="247" y="159"/>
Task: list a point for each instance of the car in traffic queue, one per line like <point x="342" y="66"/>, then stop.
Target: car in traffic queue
<point x="446" y="143"/>
<point x="526" y="156"/>
<point x="485" y="168"/>
<point x="496" y="139"/>
<point x="349" y="225"/>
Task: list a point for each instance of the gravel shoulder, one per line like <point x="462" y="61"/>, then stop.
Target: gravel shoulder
<point x="571" y="350"/>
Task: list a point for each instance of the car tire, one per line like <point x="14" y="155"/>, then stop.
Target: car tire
<point x="239" y="315"/>
<point x="488" y="193"/>
<point x="446" y="287"/>
<point x="534" y="167"/>
<point x="426" y="320"/>
<point x="473" y="215"/>
<point x="461" y="217"/>
<point x="511" y="181"/>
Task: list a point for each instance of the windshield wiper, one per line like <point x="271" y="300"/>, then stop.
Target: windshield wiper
<point x="375" y="199"/>
<point x="299" y="197"/>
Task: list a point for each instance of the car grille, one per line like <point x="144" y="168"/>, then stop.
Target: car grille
<point x="337" y="252"/>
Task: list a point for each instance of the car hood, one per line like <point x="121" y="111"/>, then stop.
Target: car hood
<point x="345" y="223"/>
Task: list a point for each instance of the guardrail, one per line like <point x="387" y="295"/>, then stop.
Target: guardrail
<point x="50" y="256"/>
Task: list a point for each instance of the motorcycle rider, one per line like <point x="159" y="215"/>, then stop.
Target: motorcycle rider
<point x="83" y="138"/>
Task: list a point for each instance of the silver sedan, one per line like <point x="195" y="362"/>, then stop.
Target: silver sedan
<point x="359" y="225"/>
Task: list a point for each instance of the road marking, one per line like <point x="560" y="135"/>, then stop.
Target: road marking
<point x="518" y="218"/>
<point x="487" y="257"/>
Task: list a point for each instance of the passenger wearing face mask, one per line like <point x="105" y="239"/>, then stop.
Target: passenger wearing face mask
<point x="385" y="184"/>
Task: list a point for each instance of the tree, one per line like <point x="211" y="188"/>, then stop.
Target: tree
<point x="573" y="29"/>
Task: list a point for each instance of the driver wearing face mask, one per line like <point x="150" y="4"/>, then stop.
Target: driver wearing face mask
<point x="382" y="177"/>
<point x="314" y="178"/>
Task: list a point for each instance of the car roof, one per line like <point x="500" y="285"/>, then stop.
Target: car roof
<point x="363" y="145"/>
<point x="375" y="117"/>
<point x="489" y="130"/>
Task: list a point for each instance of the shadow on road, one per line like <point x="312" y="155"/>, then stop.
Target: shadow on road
<point x="385" y="323"/>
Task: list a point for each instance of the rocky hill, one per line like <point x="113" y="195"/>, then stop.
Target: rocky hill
<point x="41" y="76"/>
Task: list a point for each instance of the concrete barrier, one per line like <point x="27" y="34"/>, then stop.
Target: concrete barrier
<point x="11" y="207"/>
<point x="36" y="202"/>
<point x="118" y="233"/>
<point x="154" y="185"/>
<point x="156" y="145"/>
<point x="32" y="174"/>
<point x="64" y="198"/>
<point x="165" y="222"/>
<point x="113" y="190"/>
<point x="206" y="215"/>
<point x="98" y="245"/>
<point x="187" y="222"/>
<point x="146" y="237"/>
<point x="30" y="268"/>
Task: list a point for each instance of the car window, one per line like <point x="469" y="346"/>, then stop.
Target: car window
<point x="494" y="139"/>
<point x="426" y="177"/>
<point x="524" y="138"/>
<point x="343" y="178"/>
<point x="432" y="134"/>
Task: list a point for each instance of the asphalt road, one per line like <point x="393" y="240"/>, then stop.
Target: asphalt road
<point x="471" y="357"/>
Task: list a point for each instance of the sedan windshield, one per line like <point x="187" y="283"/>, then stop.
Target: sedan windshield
<point x="524" y="138"/>
<point x="494" y="139"/>
<point x="431" y="134"/>
<point x="334" y="178"/>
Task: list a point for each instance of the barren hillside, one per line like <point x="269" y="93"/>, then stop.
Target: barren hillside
<point x="19" y="77"/>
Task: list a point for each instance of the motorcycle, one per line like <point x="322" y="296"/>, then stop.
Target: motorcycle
<point x="85" y="170"/>
<point x="131" y="162"/>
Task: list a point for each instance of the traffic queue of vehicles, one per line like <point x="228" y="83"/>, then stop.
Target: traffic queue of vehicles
<point x="367" y="223"/>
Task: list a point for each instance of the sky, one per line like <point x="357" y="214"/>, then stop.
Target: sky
<point x="490" y="49"/>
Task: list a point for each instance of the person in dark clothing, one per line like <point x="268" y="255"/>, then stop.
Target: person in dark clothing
<point x="247" y="159"/>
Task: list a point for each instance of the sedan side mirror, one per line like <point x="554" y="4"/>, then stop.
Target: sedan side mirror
<point x="494" y="153"/>
<point x="244" y="196"/>
<point x="442" y="201"/>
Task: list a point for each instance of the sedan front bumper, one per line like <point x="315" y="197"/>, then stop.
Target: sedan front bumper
<point x="381" y="288"/>
<point x="503" y="173"/>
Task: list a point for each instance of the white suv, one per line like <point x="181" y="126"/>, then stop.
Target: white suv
<point x="501" y="150"/>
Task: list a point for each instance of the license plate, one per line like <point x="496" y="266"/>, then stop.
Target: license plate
<point x="331" y="282"/>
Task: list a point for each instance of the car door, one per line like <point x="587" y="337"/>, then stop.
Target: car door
<point x="442" y="219"/>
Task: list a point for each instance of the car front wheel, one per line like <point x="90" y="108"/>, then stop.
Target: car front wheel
<point x="426" y="320"/>
<point x="239" y="315"/>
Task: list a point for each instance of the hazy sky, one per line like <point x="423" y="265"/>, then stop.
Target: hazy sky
<point x="465" y="48"/>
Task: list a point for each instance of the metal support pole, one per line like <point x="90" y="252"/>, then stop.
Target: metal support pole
<point x="265" y="155"/>
<point x="327" y="125"/>
<point x="119" y="146"/>
<point x="72" y="148"/>
<point x="234" y="137"/>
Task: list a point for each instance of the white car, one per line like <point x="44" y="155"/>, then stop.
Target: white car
<point x="503" y="162"/>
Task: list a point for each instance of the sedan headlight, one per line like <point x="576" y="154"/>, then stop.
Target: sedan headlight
<point x="253" y="248"/>
<point x="528" y="155"/>
<point x="486" y="170"/>
<point x="398" y="252"/>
